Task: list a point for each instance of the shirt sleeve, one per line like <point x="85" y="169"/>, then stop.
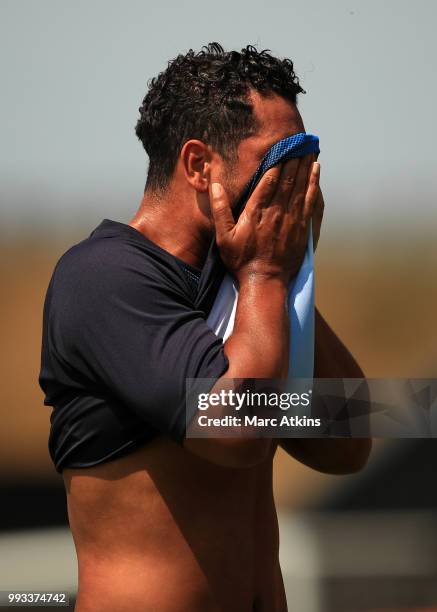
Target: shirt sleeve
<point x="131" y="330"/>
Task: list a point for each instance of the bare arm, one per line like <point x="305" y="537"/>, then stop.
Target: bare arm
<point x="331" y="357"/>
<point x="332" y="455"/>
<point x="263" y="251"/>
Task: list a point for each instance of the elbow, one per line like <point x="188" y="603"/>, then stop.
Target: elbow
<point x="245" y="453"/>
<point x="353" y="457"/>
<point x="330" y="455"/>
<point x="234" y="453"/>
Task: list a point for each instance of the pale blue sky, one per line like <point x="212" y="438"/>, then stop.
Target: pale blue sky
<point x="74" y="73"/>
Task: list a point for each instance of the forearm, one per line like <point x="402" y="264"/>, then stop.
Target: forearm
<point x="259" y="344"/>
<point x="331" y="455"/>
<point x="257" y="348"/>
<point x="331" y="357"/>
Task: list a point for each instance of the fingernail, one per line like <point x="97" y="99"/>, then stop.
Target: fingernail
<point x="216" y="190"/>
<point x="316" y="168"/>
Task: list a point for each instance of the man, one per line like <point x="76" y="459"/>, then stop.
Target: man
<point x="162" y="522"/>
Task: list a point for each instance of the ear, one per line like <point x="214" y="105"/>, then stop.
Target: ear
<point x="196" y="163"/>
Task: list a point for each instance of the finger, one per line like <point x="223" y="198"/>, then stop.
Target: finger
<point x="286" y="182"/>
<point x="297" y="198"/>
<point x="313" y="190"/>
<point x="317" y="217"/>
<point x="264" y="191"/>
<point x="221" y="211"/>
<point x="319" y="205"/>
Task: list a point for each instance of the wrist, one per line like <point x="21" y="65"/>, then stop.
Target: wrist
<point x="263" y="283"/>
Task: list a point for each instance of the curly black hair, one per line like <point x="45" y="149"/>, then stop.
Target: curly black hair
<point x="204" y="95"/>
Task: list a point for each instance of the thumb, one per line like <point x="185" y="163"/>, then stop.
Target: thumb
<point x="221" y="211"/>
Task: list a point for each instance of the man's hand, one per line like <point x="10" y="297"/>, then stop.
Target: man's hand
<point x="271" y="234"/>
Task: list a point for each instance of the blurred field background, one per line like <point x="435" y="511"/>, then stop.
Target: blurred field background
<point x="73" y="77"/>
